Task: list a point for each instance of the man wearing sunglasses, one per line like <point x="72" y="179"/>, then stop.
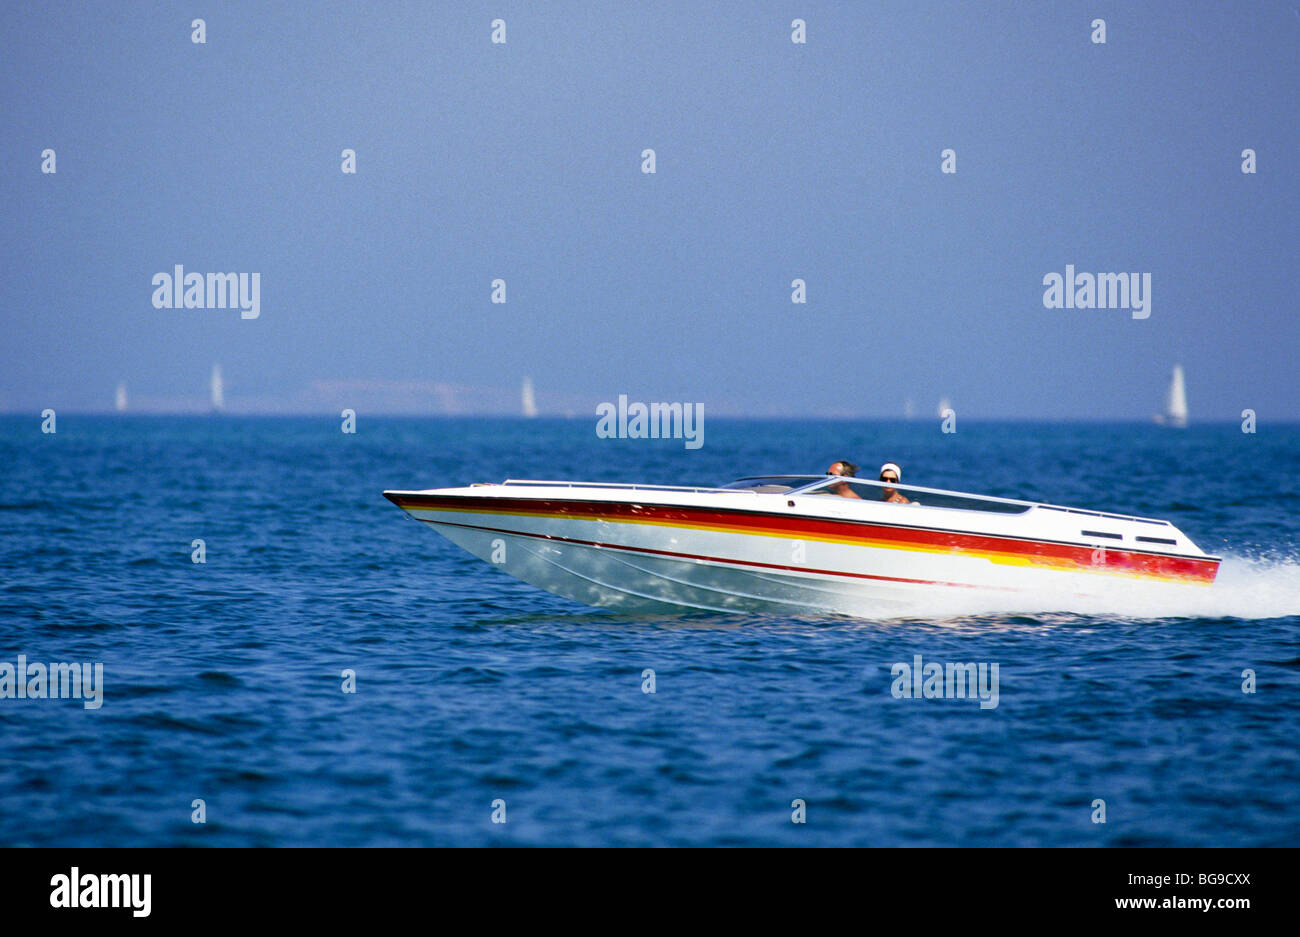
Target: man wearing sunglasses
<point x="848" y="470"/>
<point x="890" y="472"/>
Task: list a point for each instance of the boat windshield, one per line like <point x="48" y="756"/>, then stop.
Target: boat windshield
<point x="773" y="484"/>
<point x="866" y="490"/>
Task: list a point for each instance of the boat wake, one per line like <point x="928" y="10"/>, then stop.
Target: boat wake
<point x="1251" y="588"/>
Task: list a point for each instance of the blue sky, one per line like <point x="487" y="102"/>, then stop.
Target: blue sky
<point x="774" y="161"/>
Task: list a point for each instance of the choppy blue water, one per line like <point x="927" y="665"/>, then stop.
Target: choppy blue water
<point x="222" y="680"/>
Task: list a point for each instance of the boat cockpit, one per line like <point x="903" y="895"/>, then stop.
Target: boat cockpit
<point x="867" y="490"/>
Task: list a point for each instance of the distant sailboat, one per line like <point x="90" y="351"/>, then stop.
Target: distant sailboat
<point x="1175" y="414"/>
<point x="909" y="409"/>
<point x="529" y="402"/>
<point x="218" y="389"/>
<point x="944" y="406"/>
<point x="120" y="402"/>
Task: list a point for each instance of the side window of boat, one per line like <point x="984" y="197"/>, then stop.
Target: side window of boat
<point x="961" y="503"/>
<point x="970" y="504"/>
<point x="769" y="484"/>
<point x="861" y="490"/>
<point x="857" y="489"/>
<point x="844" y="488"/>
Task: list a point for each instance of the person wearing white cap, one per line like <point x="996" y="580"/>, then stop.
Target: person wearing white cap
<point x="890" y="472"/>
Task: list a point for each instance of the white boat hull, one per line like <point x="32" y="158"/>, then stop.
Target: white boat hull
<point x="640" y="582"/>
<point x="743" y="552"/>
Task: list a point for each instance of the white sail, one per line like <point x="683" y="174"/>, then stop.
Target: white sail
<point x="120" y="402"/>
<point x="529" y="402"/>
<point x="218" y="388"/>
<point x="944" y="406"/>
<point x="1176" y="405"/>
<point x="909" y="409"/>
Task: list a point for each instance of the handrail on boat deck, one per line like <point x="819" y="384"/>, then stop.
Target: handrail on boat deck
<point x="566" y="484"/>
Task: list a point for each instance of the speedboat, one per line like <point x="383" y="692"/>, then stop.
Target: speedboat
<point x="797" y="543"/>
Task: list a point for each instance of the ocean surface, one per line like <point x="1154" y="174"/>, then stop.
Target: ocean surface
<point x="479" y="695"/>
